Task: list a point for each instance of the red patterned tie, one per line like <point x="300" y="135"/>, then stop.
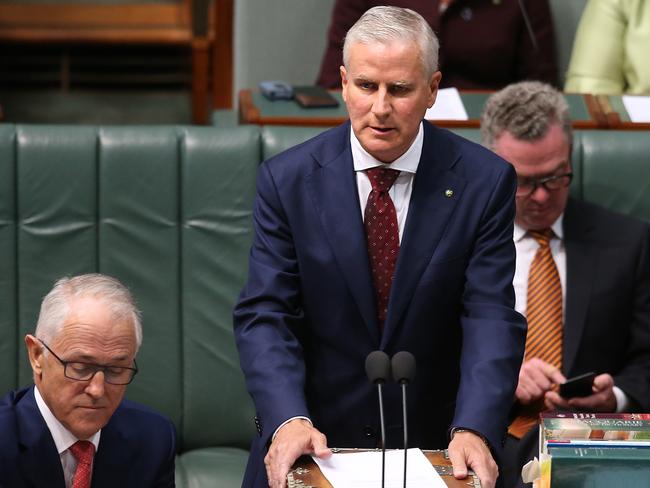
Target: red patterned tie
<point x="382" y="231"/>
<point x="544" y="315"/>
<point x="83" y="451"/>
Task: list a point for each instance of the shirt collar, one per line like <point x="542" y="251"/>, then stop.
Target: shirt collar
<point x="407" y="162"/>
<point x="519" y="232"/>
<point x="62" y="437"/>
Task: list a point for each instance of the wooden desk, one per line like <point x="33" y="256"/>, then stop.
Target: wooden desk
<point x="305" y="472"/>
<point x="617" y="117"/>
<point x="254" y="108"/>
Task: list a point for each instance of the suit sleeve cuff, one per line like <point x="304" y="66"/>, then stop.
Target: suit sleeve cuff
<point x="455" y="430"/>
<point x="286" y="422"/>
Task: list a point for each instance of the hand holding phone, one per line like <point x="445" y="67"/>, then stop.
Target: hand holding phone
<point x="578" y="386"/>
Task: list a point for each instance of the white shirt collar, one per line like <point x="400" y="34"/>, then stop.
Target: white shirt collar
<point x="407" y="162"/>
<point x="63" y="438"/>
<point x="519" y="232"/>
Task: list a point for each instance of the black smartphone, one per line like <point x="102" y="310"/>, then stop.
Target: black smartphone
<point x="314" y="97"/>
<point x="578" y="386"/>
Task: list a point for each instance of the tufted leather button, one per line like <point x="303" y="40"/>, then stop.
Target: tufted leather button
<point x="368" y="431"/>
<point x="466" y="14"/>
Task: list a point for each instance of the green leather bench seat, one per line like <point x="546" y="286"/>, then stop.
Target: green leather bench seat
<point x="168" y="210"/>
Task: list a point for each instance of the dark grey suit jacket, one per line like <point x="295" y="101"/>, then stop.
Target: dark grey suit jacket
<point x="607" y="317"/>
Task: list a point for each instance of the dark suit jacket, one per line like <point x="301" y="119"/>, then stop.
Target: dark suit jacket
<point x="306" y="318"/>
<point x="483" y="44"/>
<point x="607" y="319"/>
<point x="136" y="448"/>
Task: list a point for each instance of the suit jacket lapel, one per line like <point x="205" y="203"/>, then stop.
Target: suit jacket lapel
<point x="110" y="466"/>
<point x="430" y="208"/>
<point x="334" y="192"/>
<point x="581" y="262"/>
<point x="39" y="460"/>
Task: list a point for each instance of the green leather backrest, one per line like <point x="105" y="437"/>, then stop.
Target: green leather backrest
<point x="616" y="170"/>
<point x="167" y="210"/>
<point x="8" y="309"/>
<point x="277" y="138"/>
<point x="611" y="168"/>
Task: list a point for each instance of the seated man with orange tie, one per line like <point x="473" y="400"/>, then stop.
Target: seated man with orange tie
<point x="72" y="428"/>
<point x="582" y="276"/>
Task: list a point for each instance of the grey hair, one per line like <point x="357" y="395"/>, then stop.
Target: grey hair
<point x="386" y="24"/>
<point x="56" y="304"/>
<point x="526" y="110"/>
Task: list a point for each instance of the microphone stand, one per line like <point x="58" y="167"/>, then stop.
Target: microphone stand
<point x="406" y="430"/>
<point x="378" y="371"/>
<point x="403" y="366"/>
<point x="383" y="435"/>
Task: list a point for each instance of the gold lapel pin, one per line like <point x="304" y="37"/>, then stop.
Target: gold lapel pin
<point x="449" y="193"/>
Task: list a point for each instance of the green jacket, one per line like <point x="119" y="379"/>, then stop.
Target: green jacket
<point x="610" y="53"/>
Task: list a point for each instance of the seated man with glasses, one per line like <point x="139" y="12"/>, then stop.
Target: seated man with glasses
<point x="582" y="275"/>
<point x="73" y="428"/>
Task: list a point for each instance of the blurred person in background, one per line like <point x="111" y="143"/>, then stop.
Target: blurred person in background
<point x="484" y="45"/>
<point x="610" y="52"/>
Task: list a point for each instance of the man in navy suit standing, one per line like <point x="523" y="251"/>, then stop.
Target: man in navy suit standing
<point x="72" y="428"/>
<point x="384" y="233"/>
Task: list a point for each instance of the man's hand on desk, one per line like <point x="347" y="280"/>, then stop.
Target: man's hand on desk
<point x="602" y="400"/>
<point x="294" y="439"/>
<point x="536" y="377"/>
<point x="467" y="449"/>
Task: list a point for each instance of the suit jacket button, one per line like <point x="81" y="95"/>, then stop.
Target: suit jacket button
<point x="368" y="431"/>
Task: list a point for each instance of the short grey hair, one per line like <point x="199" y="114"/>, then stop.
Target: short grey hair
<point x="386" y="24"/>
<point x="526" y="110"/>
<point x="56" y="304"/>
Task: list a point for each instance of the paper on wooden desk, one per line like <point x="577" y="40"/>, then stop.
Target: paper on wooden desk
<point x="448" y="106"/>
<point x="363" y="469"/>
<point x="638" y="108"/>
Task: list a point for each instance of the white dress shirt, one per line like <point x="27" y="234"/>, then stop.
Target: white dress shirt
<point x="401" y="190"/>
<point x="63" y="439"/>
<point x="526" y="249"/>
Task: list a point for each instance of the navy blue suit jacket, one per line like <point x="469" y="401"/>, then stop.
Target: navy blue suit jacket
<point x="136" y="449"/>
<point x="306" y="318"/>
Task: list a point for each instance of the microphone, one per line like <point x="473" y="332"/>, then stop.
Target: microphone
<point x="529" y="26"/>
<point x="403" y="364"/>
<point x="378" y="372"/>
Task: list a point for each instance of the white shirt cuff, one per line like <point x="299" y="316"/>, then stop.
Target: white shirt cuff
<point x="622" y="402"/>
<point x="294" y="418"/>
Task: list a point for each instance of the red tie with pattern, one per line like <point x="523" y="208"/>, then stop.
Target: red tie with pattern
<point x="382" y="231"/>
<point x="544" y="315"/>
<point x="83" y="451"/>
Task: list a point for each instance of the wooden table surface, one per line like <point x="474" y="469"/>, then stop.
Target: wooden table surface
<point x="306" y="474"/>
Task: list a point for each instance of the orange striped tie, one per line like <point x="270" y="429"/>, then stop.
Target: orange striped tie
<point x="544" y="315"/>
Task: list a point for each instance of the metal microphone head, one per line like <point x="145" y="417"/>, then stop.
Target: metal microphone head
<point x="403" y="365"/>
<point x="378" y="367"/>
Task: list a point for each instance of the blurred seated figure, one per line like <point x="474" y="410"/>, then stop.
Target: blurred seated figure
<point x="483" y="44"/>
<point x="72" y="428"/>
<point x="610" y="53"/>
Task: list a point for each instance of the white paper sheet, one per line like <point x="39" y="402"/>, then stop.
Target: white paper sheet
<point x="448" y="106"/>
<point x="638" y="108"/>
<point x="363" y="469"/>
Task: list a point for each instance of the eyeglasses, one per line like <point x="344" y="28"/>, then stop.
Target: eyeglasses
<point x="81" y="371"/>
<point x="527" y="186"/>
